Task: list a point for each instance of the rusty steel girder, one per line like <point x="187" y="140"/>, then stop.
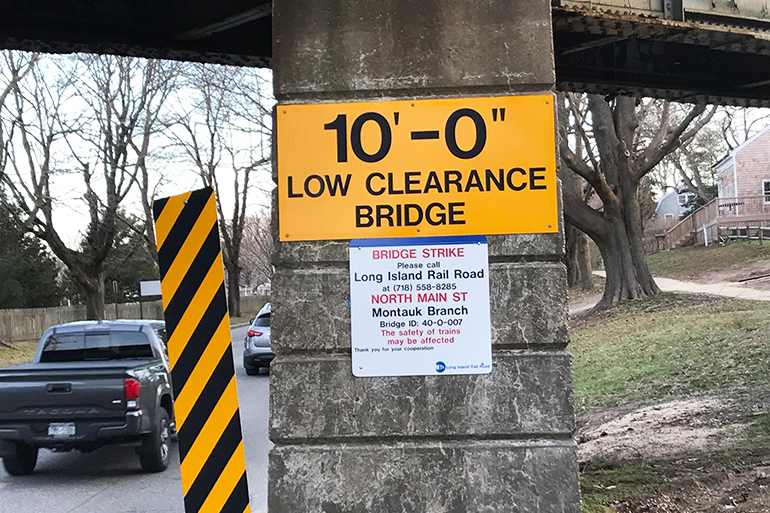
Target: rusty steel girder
<point x="714" y="51"/>
<point x="706" y="59"/>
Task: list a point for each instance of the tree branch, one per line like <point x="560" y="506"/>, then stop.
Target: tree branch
<point x="654" y="154"/>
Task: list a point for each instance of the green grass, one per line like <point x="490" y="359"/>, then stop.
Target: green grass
<point x="18" y="353"/>
<point x="669" y="347"/>
<point x="758" y="431"/>
<point x="604" y="481"/>
<point x="591" y="504"/>
<point x="693" y="261"/>
<point x="607" y="481"/>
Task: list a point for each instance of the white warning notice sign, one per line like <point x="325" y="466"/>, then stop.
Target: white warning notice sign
<point x="420" y="306"/>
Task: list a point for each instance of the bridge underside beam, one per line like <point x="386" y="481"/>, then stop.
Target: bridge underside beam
<point x="615" y="54"/>
<point x="708" y="58"/>
<point x="237" y="32"/>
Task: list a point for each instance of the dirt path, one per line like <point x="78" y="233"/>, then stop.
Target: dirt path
<point x="727" y="289"/>
<point x="673" y="426"/>
<point x="696" y="433"/>
<point x="724" y="288"/>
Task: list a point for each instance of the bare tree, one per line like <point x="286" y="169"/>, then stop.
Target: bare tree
<point x="692" y="164"/>
<point x="738" y="124"/>
<point x="695" y="162"/>
<point x="576" y="254"/>
<point x="92" y="142"/>
<point x="222" y="135"/>
<point x="16" y="66"/>
<point x="615" y="162"/>
<point x="159" y="82"/>
<point x="576" y="258"/>
<point x="258" y="246"/>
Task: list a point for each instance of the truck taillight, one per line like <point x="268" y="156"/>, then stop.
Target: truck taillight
<point x="132" y="394"/>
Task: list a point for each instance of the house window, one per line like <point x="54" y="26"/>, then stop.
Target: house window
<point x="683" y="199"/>
<point x="766" y="190"/>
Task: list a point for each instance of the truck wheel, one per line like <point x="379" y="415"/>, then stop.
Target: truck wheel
<point x="156" y="451"/>
<point x="23" y="461"/>
<point x="252" y="371"/>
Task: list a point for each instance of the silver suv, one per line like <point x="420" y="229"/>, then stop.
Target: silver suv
<point x="256" y="346"/>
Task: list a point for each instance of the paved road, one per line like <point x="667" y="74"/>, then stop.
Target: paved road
<point x="110" y="480"/>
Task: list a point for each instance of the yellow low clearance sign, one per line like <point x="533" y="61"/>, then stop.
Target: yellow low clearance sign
<point x="457" y="166"/>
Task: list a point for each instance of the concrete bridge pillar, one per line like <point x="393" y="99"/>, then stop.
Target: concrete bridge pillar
<point x="499" y="442"/>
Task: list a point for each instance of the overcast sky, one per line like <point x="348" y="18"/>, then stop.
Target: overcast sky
<point x="173" y="173"/>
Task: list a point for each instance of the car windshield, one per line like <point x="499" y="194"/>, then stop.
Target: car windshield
<point x="106" y="345"/>
<point x="263" y="321"/>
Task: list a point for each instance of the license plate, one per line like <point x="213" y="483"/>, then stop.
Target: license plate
<point x="61" y="429"/>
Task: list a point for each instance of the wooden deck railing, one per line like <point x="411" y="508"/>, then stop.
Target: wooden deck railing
<point x="752" y="208"/>
<point x="687" y="226"/>
<point x="748" y="206"/>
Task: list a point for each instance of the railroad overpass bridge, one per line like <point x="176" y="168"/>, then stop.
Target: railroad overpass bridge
<point x="683" y="50"/>
<point x="469" y="442"/>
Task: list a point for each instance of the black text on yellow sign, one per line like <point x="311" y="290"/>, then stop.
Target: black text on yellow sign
<point x="456" y="166"/>
<point x="201" y="357"/>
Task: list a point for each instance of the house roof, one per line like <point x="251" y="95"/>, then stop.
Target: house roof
<point x="664" y="197"/>
<point x="727" y="158"/>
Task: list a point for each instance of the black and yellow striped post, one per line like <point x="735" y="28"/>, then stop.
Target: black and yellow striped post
<point x="205" y="398"/>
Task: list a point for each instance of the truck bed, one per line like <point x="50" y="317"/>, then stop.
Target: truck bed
<point x="89" y="395"/>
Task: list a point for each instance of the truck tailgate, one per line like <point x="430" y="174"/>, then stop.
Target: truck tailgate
<point x="62" y="392"/>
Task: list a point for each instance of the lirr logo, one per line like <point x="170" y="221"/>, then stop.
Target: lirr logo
<point x="440" y="367"/>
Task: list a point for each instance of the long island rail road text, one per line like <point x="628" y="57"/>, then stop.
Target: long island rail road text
<point x="458" y="166"/>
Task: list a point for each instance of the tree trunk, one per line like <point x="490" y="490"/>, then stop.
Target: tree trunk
<point x="234" y="291"/>
<point x="633" y="225"/>
<point x="576" y="259"/>
<point x="87" y="272"/>
<point x="583" y="258"/>
<point x="94" y="289"/>
<point x="627" y="276"/>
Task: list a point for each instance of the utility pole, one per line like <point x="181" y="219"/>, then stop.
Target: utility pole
<point x="115" y="296"/>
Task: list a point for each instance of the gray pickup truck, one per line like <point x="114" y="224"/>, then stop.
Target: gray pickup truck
<point x="91" y="384"/>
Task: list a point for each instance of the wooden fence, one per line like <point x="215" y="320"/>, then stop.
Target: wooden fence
<point x="30" y="323"/>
